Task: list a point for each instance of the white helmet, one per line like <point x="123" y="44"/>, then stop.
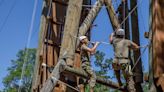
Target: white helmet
<point x="82" y="37"/>
<point x="120" y="32"/>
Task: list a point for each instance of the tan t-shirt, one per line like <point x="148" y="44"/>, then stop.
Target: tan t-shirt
<point x="121" y="47"/>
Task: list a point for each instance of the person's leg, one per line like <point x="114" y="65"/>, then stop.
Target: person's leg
<point x="81" y="87"/>
<point x="117" y="73"/>
<point x="128" y="77"/>
<point x="92" y="80"/>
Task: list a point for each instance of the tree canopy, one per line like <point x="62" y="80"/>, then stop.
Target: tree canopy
<point x="24" y="58"/>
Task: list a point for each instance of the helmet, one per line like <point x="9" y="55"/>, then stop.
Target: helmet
<point x="120" y="32"/>
<point x="82" y="37"/>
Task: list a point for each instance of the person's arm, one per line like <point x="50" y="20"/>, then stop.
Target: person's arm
<point x="134" y="46"/>
<point x="91" y="50"/>
<point x="111" y="38"/>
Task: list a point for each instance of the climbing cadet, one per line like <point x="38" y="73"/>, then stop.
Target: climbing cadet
<point x="121" y="60"/>
<point x="85" y="59"/>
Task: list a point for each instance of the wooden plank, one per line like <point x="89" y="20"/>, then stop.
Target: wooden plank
<point x="58" y="14"/>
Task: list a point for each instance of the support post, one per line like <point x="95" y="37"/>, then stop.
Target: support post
<point x="135" y="37"/>
<point x="71" y="30"/>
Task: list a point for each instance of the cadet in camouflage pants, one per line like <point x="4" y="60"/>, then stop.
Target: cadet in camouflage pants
<point x="85" y="59"/>
<point x="121" y="61"/>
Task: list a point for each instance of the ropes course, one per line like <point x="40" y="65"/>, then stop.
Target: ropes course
<point x="62" y="48"/>
<point x="71" y="36"/>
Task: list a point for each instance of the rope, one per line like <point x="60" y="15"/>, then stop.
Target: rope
<point x="28" y="43"/>
<point x="65" y="83"/>
<point x="125" y="17"/>
<point x="145" y="47"/>
<point x="102" y="42"/>
<point x="131" y="12"/>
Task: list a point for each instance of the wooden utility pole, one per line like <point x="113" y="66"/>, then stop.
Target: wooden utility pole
<point x="68" y="42"/>
<point x="138" y="78"/>
<point x="112" y="14"/>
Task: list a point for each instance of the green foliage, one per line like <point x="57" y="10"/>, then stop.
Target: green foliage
<point x="105" y="66"/>
<point x="12" y="80"/>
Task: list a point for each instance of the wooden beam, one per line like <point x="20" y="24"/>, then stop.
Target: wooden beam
<point x="90" y="17"/>
<point x="71" y="29"/>
<point x="49" y="85"/>
<point x="82" y="73"/>
<point x="62" y="67"/>
<point x="112" y="14"/>
<point x="68" y="42"/>
<point x="60" y="2"/>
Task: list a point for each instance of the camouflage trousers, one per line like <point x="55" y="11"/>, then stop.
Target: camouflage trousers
<point x="86" y="66"/>
<point x="127" y="73"/>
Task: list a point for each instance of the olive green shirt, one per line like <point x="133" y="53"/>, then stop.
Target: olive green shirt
<point x="85" y="55"/>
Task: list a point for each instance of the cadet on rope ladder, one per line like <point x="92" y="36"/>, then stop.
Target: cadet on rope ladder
<point x="85" y="59"/>
<point x="121" y="61"/>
